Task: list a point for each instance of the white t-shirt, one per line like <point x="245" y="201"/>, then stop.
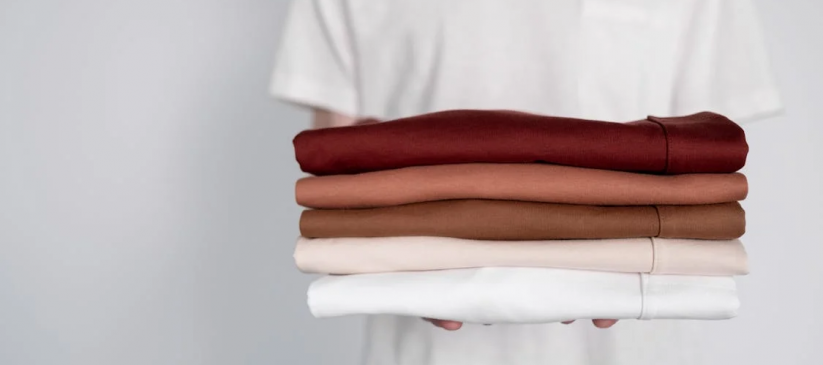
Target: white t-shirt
<point x="599" y="59"/>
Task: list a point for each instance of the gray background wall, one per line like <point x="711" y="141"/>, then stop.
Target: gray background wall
<point x="146" y="208"/>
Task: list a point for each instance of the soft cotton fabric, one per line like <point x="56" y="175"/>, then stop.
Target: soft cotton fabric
<point x="591" y="59"/>
<point x="525" y="295"/>
<point x="525" y="182"/>
<point x="699" y="143"/>
<point x="514" y="220"/>
<point x="638" y="255"/>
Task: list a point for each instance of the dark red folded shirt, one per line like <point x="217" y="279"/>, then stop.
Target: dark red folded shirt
<point x="698" y="143"/>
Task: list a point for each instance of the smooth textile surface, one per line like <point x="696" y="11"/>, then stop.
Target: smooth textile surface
<point x="513" y="220"/>
<point x="592" y="59"/>
<point x="525" y="182"/>
<point x="525" y="295"/>
<point x="638" y="255"/>
<point x="703" y="142"/>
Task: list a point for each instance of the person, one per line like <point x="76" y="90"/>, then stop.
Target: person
<point x="617" y="60"/>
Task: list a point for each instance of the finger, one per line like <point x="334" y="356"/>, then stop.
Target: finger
<point x="604" y="323"/>
<point x="449" y="325"/>
<point x="446" y="325"/>
<point x="367" y="121"/>
<point x="567" y="322"/>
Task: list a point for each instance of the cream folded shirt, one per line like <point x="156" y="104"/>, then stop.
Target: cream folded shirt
<point x="525" y="295"/>
<point x="638" y="255"/>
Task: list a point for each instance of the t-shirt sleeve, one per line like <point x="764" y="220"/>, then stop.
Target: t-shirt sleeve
<point x="314" y="63"/>
<point x="725" y="67"/>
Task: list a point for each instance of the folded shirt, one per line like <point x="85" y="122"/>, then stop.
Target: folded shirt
<point x="515" y="220"/>
<point x="703" y="142"/>
<point x="638" y="255"/>
<point x="525" y="295"/>
<point x="525" y="182"/>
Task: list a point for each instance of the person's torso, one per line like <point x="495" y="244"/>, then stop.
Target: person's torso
<point x="597" y="59"/>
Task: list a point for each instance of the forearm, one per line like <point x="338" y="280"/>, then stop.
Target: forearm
<point x="324" y="119"/>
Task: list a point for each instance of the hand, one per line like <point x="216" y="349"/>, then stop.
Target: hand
<point x="599" y="323"/>
<point x="454" y="325"/>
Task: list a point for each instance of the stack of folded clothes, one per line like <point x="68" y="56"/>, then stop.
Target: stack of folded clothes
<point x="507" y="217"/>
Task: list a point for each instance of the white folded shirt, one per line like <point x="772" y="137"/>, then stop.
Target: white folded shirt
<point x="525" y="295"/>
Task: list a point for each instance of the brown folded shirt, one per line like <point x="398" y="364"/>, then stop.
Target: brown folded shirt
<point x="524" y="182"/>
<point x="698" y="143"/>
<point x="514" y="220"/>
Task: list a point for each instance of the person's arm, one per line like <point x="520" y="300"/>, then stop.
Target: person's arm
<point x="325" y="119"/>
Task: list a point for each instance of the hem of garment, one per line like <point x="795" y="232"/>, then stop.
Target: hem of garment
<point x="656" y="254"/>
<point x="644" y="297"/>
<point x="668" y="144"/>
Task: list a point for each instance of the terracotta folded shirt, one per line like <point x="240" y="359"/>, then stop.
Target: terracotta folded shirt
<point x="639" y="255"/>
<point x="514" y="220"/>
<point x="525" y="182"/>
<point x="703" y="142"/>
